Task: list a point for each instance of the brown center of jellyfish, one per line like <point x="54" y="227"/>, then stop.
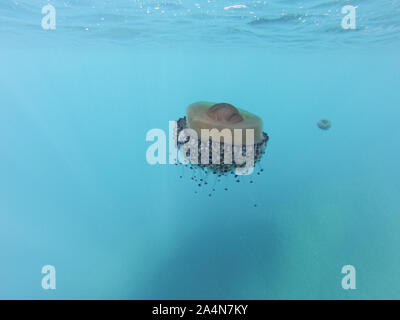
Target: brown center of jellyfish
<point x="224" y="112"/>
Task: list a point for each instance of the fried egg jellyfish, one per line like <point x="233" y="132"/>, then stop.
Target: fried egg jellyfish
<point x="221" y="139"/>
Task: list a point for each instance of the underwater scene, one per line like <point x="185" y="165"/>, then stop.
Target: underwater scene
<point x="103" y="196"/>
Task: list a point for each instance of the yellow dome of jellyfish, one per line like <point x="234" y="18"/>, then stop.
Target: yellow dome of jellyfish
<point x="209" y="123"/>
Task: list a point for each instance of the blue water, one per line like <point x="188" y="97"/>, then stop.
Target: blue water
<point x="77" y="193"/>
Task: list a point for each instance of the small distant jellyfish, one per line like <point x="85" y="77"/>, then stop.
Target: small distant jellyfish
<point x="324" y="124"/>
<point x="221" y="139"/>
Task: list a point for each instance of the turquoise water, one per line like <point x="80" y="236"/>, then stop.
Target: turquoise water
<point x="77" y="193"/>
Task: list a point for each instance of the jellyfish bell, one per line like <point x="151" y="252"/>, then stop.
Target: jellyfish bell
<point x="324" y="124"/>
<point x="226" y="139"/>
<point x="220" y="116"/>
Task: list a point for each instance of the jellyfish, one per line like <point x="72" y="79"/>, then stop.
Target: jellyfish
<point x="324" y="124"/>
<point x="220" y="138"/>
